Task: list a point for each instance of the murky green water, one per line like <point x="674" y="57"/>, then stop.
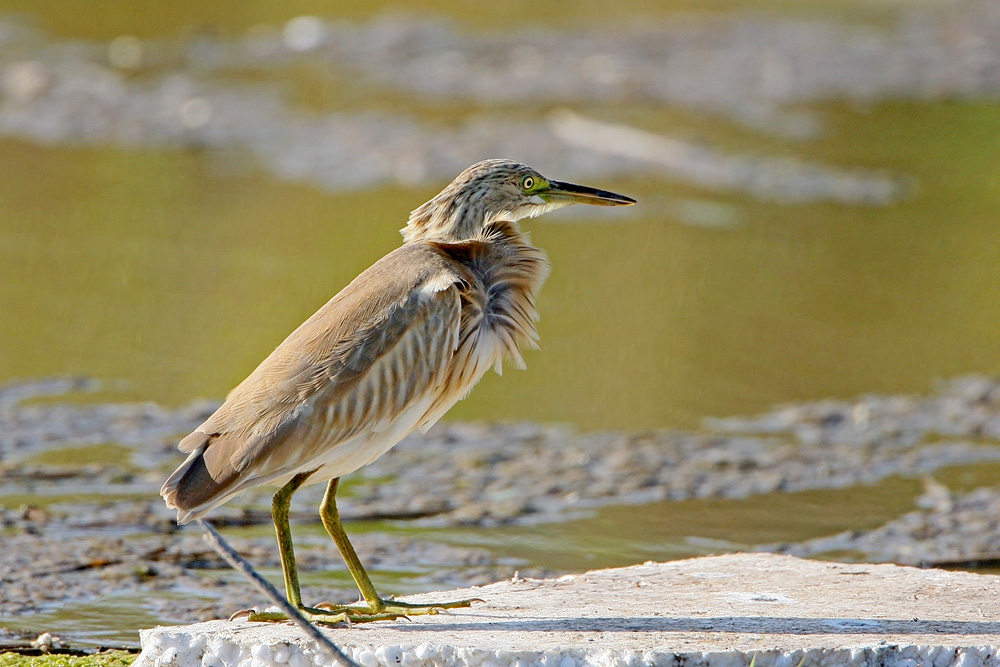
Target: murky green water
<point x="80" y="19"/>
<point x="176" y="272"/>
<point x="172" y="273"/>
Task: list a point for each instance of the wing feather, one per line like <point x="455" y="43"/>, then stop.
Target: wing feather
<point x="377" y="347"/>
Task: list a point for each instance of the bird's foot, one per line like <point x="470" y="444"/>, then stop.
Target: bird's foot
<point x="365" y="611"/>
<point x="400" y="608"/>
<point x="362" y="612"/>
<point x="326" y="616"/>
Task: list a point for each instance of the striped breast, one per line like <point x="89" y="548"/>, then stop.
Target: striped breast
<point x="504" y="274"/>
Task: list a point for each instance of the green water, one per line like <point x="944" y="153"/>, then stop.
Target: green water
<point x="625" y="535"/>
<point x="107" y="453"/>
<point x="178" y="271"/>
<point x="81" y="19"/>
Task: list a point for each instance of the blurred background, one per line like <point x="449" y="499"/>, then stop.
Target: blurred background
<point x="181" y="184"/>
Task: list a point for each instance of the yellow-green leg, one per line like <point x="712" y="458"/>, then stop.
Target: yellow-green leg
<point x="375" y="605"/>
<point x="280" y="504"/>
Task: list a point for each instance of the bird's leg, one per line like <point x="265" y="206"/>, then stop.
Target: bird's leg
<point x="279" y="512"/>
<point x="374" y="605"/>
<point x="280" y="504"/>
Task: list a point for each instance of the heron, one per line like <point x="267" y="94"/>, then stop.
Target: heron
<point x="388" y="355"/>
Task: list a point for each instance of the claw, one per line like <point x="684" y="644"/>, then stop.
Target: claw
<point x="242" y="612"/>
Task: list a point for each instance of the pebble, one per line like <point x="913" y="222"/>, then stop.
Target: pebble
<point x="367" y="658"/>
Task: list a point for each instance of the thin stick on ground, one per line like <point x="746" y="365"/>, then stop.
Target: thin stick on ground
<point x="239" y="564"/>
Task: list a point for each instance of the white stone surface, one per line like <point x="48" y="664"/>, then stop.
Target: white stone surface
<point x="716" y="611"/>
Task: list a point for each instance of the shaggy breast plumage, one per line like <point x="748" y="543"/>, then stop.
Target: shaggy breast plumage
<point x="505" y="275"/>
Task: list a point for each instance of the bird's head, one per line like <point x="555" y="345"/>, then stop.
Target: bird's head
<point x="494" y="190"/>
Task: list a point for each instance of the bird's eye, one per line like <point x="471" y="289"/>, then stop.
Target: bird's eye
<point x="527" y="183"/>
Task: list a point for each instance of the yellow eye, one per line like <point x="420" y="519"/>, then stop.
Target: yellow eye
<point x="527" y="183"/>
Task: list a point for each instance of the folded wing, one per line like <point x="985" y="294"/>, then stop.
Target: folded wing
<point x="373" y="352"/>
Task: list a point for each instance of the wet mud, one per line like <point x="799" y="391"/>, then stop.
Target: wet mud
<point x="82" y="522"/>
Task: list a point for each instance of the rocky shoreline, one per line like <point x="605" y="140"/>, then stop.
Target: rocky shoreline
<point x="125" y="543"/>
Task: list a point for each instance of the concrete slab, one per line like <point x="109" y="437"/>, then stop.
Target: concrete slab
<point x="721" y="610"/>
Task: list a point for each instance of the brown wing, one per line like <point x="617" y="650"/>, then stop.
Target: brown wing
<point x="371" y="351"/>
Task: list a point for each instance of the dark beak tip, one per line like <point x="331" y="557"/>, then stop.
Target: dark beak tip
<point x="615" y="200"/>
<point x="593" y="195"/>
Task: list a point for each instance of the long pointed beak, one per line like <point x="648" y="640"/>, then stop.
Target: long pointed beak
<point x="581" y="194"/>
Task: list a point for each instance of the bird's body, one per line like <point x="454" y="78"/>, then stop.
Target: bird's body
<point x="389" y="354"/>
